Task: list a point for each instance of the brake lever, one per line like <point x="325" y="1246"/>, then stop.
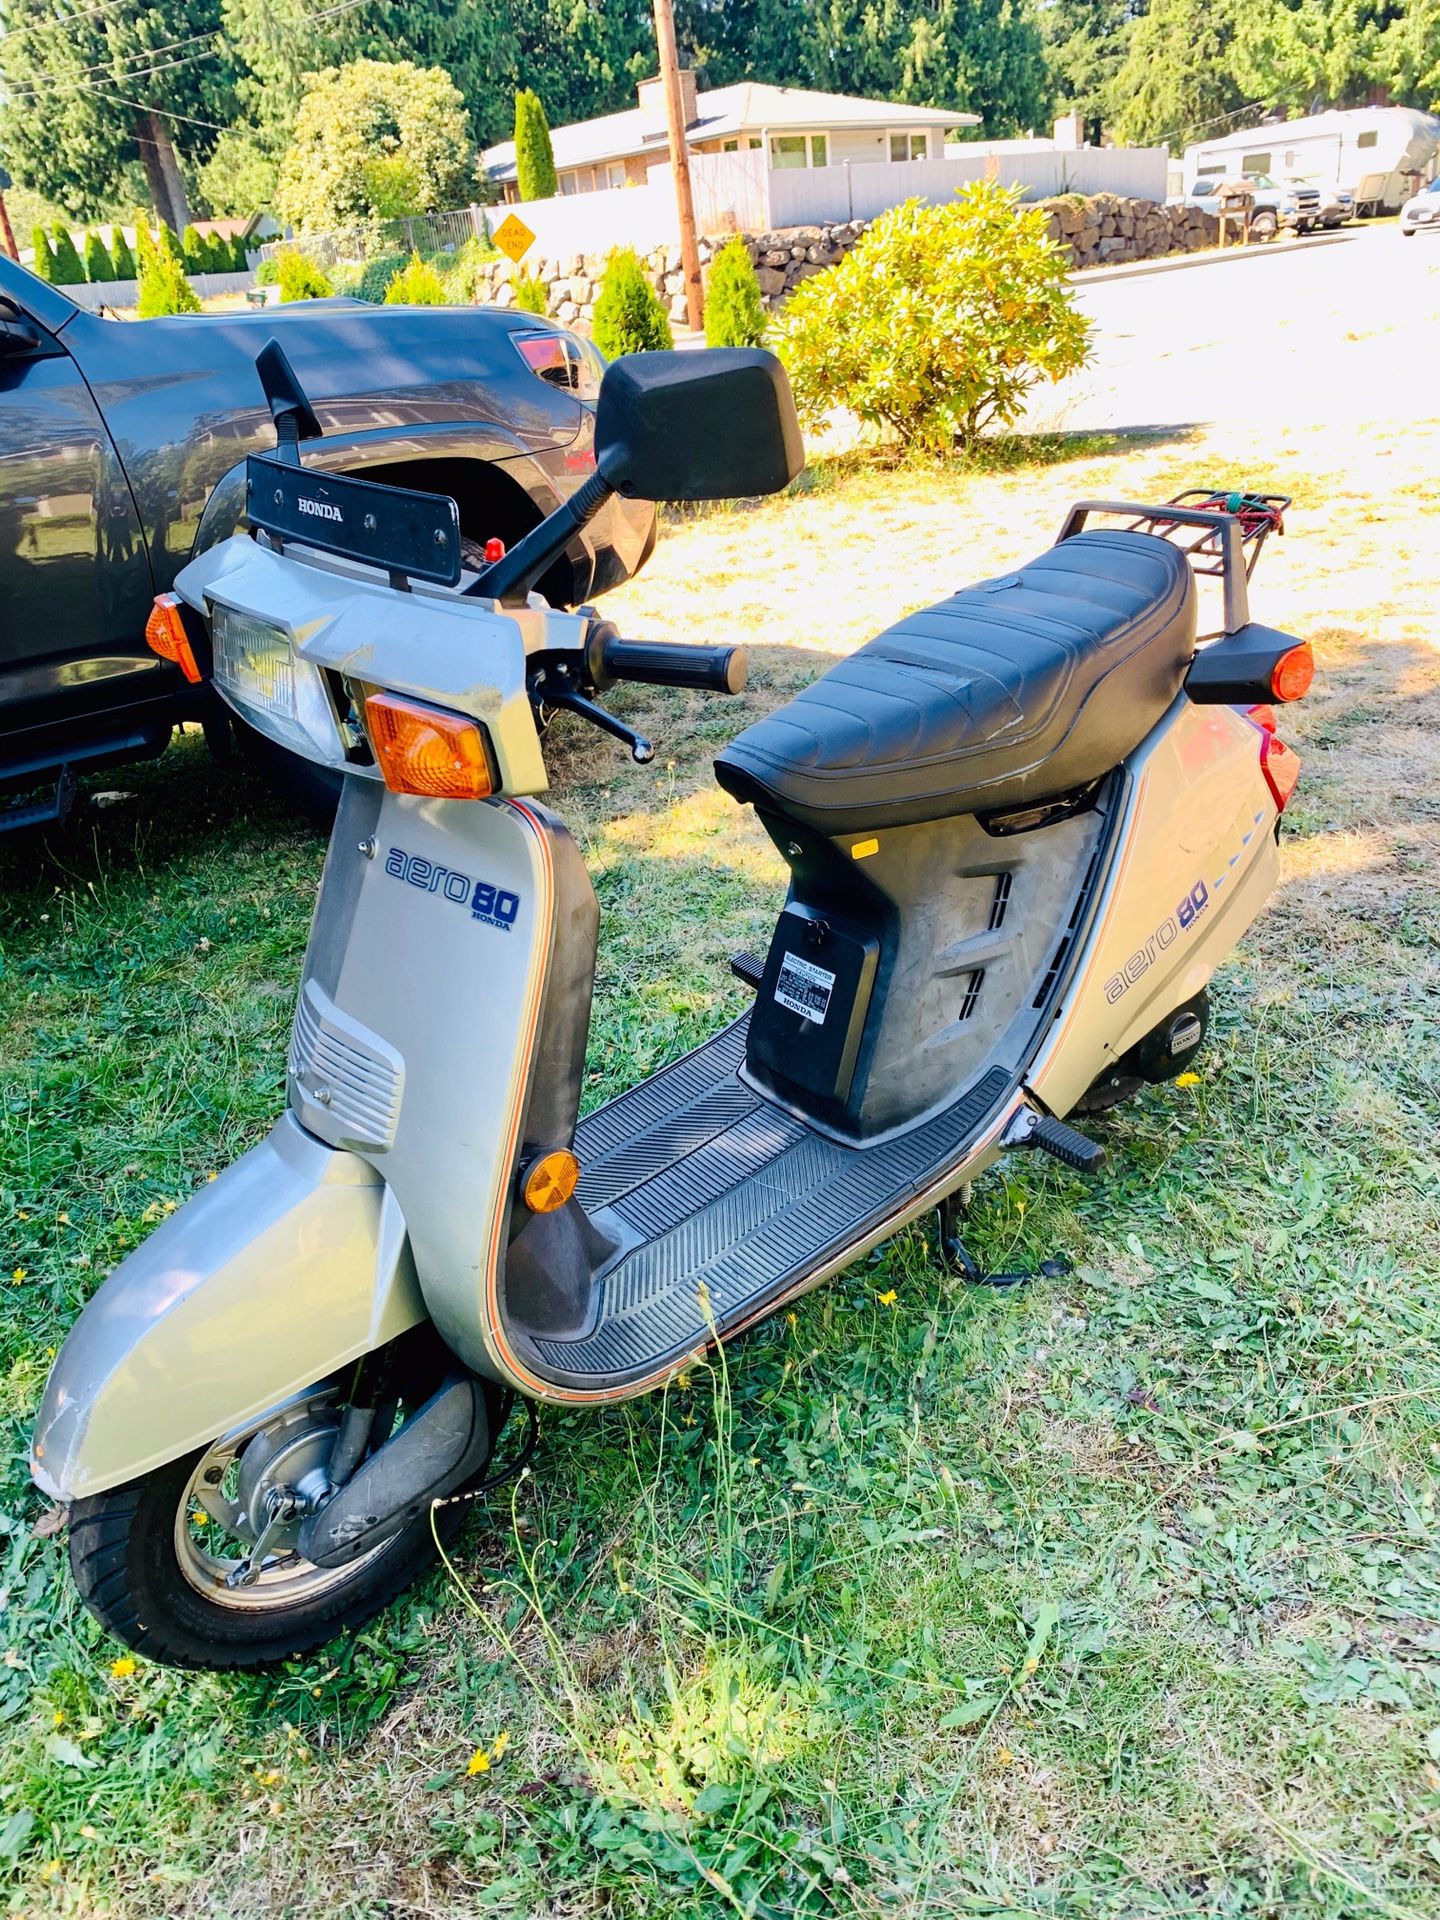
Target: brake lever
<point x="555" y="691"/>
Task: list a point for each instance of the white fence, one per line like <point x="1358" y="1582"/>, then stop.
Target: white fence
<point x="802" y="197"/>
<point x="95" y="294"/>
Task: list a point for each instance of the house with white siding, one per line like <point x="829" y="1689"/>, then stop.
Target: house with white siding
<point x="792" y="126"/>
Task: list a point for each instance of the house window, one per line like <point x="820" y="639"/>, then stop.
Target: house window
<point x="909" y="146"/>
<point x="798" y="150"/>
<point x="1370" y="139"/>
<point x="754" y="143"/>
<point x="615" y="173"/>
<point x="1255" y="163"/>
<point x="729" y="146"/>
<point x="569" y="183"/>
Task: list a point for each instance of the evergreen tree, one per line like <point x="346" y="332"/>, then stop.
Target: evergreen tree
<point x="628" y="315"/>
<point x="120" y="253"/>
<point x="67" y="268"/>
<point x="734" y="311"/>
<point x="1303" y="55"/>
<point x="1085" y="43"/>
<point x="44" y="253"/>
<point x="194" y="252"/>
<point x="1177" y="79"/>
<point x="1409" y="56"/>
<point x="163" y="286"/>
<point x="98" y="264"/>
<point x="534" y="155"/>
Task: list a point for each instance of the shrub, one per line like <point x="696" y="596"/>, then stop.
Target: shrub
<point x="628" y="315"/>
<point x="98" y="264"/>
<point x="68" y="269"/>
<point x="375" y="280"/>
<point x="531" y="293"/>
<point x="163" y="286"/>
<point x="267" y="274"/>
<point x="300" y="278"/>
<point x="534" y="155"/>
<point x="938" y="323"/>
<point x="734" y="312"/>
<point x="461" y="271"/>
<point x="194" y="250"/>
<point x="374" y="138"/>
<point x="44" y="253"/>
<point x="416" y="285"/>
<point x="239" y="255"/>
<point x="120" y="254"/>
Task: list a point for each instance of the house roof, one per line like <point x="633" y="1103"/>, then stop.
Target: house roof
<point x="721" y="114"/>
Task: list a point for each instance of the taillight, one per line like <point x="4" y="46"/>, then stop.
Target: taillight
<point x="548" y="357"/>
<point x="1281" y="767"/>
<point x="422" y="749"/>
<point x="165" y="634"/>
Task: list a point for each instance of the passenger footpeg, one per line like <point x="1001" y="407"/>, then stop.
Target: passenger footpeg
<point x="1031" y="1129"/>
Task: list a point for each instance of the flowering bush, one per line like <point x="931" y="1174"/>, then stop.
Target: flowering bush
<point x="938" y="323"/>
<point x="416" y="285"/>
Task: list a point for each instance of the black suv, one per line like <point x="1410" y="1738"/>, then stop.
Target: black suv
<point x="122" y="452"/>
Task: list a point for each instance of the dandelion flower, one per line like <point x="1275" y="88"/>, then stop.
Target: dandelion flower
<point x="479" y="1762"/>
<point x="1187" y="1079"/>
<point x="888" y="1298"/>
<point x="502" y="1741"/>
<point x="20" y="1273"/>
<point x="59" y="1719"/>
<point x="1005" y="1758"/>
<point x="50" y="1869"/>
<point x="123" y="1667"/>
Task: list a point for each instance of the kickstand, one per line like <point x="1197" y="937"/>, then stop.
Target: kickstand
<point x="951" y="1212"/>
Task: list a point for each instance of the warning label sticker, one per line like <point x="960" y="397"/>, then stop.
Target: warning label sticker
<point x="805" y="989"/>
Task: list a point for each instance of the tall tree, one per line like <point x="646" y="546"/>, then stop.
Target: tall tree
<point x="1410" y="55"/>
<point x="1085" y="43"/>
<point x="534" y="155"/>
<point x="90" y="93"/>
<point x="1308" y="54"/>
<point x="1176" y="80"/>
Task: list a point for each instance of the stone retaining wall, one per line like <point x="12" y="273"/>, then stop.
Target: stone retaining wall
<point x="1098" y="230"/>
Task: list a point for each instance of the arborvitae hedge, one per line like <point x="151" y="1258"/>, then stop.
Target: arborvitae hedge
<point x="69" y="270"/>
<point x="98" y="264"/>
<point x="734" y="311"/>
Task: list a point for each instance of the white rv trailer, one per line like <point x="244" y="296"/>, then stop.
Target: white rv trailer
<point x="1379" y="154"/>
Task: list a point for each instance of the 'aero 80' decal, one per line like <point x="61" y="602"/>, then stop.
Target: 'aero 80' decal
<point x="492" y="906"/>
<point x="1165" y="935"/>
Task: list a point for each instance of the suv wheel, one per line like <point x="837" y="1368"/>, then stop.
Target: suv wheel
<point x="1263" y="226"/>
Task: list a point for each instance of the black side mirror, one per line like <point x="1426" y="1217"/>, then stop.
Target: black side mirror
<point x="711" y="425"/>
<point x="16" y="334"/>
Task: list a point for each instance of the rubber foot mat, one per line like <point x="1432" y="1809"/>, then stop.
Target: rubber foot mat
<point x="733" y="1201"/>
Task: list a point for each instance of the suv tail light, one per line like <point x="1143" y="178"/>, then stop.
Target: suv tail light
<point x="1279" y="764"/>
<point x="560" y="360"/>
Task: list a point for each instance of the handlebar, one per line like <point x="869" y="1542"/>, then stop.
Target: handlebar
<point x="661" y="663"/>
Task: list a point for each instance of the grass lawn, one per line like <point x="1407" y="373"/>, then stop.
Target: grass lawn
<point x="1116" y="1596"/>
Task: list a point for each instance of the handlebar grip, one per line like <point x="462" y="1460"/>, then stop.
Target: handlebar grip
<point x="659" y="663"/>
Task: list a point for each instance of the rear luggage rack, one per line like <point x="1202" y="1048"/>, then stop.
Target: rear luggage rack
<point x="1227" y="531"/>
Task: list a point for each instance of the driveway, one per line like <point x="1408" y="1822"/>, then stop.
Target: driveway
<point x="1294" y="332"/>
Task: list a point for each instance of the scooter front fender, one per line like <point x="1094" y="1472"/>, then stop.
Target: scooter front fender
<point x="292" y="1263"/>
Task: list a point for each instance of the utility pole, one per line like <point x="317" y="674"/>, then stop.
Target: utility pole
<point x="680" y="161"/>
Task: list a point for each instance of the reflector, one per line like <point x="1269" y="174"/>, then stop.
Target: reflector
<point x="1281" y="766"/>
<point x="1292" y="673"/>
<point x="165" y="634"/>
<point x="550" y="1181"/>
<point x="428" y="751"/>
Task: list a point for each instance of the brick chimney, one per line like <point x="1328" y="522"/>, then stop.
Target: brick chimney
<point x="651" y="95"/>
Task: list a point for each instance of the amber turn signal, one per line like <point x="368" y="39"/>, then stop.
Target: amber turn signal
<point x="165" y="634"/>
<point x="1292" y="673"/>
<point x="550" y="1181"/>
<point x="427" y="751"/>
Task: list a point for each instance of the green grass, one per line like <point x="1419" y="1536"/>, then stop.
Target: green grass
<point x="1116" y="1596"/>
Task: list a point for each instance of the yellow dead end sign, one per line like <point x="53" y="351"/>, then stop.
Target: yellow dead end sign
<point x="513" y="237"/>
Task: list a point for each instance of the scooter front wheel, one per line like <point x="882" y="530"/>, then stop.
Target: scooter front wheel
<point x="179" y="1564"/>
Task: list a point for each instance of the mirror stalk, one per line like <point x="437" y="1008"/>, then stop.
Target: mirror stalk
<point x="523" y="565"/>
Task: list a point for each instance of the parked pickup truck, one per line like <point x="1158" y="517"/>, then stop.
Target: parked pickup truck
<point x="122" y="453"/>
<point x="1293" y="205"/>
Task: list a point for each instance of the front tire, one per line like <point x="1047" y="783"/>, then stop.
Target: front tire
<point x="150" y="1560"/>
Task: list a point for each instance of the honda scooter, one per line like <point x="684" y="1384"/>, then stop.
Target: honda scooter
<point x="1022" y="828"/>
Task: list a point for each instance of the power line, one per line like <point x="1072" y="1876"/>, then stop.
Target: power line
<point x="59" y="21"/>
<point x="130" y="74"/>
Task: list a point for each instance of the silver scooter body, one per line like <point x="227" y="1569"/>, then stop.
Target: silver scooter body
<point x="448" y="972"/>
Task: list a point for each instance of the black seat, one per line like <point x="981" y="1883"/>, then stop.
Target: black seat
<point x="1013" y="691"/>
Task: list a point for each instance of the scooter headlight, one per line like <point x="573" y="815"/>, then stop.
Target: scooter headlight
<point x="282" y="696"/>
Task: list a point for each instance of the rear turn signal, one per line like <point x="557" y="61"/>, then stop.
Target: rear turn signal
<point x="550" y="1181"/>
<point x="427" y="751"/>
<point x="165" y="634"/>
<point x="1292" y="673"/>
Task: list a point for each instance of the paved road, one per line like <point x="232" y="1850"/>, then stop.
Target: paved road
<point x="1341" y="331"/>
